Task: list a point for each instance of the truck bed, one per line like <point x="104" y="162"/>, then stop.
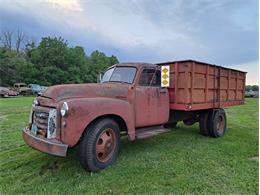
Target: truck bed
<point x="197" y="85"/>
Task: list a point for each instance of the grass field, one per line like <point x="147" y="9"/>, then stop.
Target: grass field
<point x="181" y="161"/>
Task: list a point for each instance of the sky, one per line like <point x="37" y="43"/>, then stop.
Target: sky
<point x="222" y="32"/>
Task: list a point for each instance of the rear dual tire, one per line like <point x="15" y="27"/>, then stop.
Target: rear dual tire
<point x="213" y="123"/>
<point x="204" y="122"/>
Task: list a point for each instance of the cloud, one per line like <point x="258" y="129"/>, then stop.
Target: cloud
<point x="252" y="69"/>
<point x="70" y="5"/>
<point x="222" y="32"/>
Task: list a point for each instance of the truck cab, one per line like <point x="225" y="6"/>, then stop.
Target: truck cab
<point x="129" y="100"/>
<point x="128" y="97"/>
<point x="149" y="101"/>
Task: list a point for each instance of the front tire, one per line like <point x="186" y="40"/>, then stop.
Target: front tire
<point x="100" y="145"/>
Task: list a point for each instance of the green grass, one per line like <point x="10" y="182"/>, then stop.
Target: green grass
<point x="180" y="162"/>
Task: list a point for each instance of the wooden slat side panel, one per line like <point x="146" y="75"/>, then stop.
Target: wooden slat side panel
<point x="198" y="96"/>
<point x="224" y="82"/>
<point x="200" y="68"/>
<point x="175" y="68"/>
<point x="199" y="81"/>
<point x="195" y="84"/>
<point x="184" y="80"/>
<point x="223" y="95"/>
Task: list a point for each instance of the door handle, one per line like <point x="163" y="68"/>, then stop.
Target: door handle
<point x="121" y="97"/>
<point x="162" y="91"/>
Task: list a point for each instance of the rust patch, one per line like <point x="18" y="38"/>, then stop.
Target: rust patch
<point x="62" y="92"/>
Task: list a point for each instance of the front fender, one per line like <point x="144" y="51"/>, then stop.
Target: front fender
<point x="82" y="111"/>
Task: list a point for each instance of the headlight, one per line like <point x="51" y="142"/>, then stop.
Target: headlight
<point x="35" y="102"/>
<point x="64" y="109"/>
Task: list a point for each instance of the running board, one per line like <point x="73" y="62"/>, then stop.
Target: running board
<point x="142" y="133"/>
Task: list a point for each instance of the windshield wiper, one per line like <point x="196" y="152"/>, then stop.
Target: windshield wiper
<point x="117" y="82"/>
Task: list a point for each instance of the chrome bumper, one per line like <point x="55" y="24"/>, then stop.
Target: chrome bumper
<point x="44" y="145"/>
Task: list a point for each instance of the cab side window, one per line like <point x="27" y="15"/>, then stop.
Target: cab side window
<point x="157" y="79"/>
<point x="146" y="77"/>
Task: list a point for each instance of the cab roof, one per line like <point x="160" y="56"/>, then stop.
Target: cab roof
<point x="134" y="64"/>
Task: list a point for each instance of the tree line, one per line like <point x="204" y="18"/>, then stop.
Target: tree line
<point x="49" y="62"/>
<point x="252" y="88"/>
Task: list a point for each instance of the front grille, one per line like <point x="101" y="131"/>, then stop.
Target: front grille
<point x="44" y="122"/>
<point x="41" y="120"/>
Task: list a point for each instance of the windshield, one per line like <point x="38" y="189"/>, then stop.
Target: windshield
<point x="119" y="74"/>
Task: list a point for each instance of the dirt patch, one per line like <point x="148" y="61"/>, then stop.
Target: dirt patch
<point x="3" y="117"/>
<point x="255" y="158"/>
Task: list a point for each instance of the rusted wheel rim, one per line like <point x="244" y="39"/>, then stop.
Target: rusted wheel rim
<point x="105" y="145"/>
<point x="220" y="124"/>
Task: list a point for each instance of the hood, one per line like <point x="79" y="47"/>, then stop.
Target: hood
<point x="62" y="92"/>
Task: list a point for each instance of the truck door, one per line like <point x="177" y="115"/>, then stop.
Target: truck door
<point x="151" y="101"/>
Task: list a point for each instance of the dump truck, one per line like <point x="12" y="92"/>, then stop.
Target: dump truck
<point x="137" y="100"/>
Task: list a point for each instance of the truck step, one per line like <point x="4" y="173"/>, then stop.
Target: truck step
<point x="142" y="133"/>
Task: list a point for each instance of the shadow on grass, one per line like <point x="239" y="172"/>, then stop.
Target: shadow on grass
<point x="55" y="164"/>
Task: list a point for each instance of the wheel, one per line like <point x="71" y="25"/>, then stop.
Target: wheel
<point x="217" y="123"/>
<point x="100" y="145"/>
<point x="170" y="125"/>
<point x="203" y="121"/>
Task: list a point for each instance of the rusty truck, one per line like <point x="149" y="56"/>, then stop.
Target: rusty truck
<point x="138" y="100"/>
<point x="22" y="89"/>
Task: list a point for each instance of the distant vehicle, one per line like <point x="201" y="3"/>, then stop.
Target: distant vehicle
<point x="5" y="92"/>
<point x="37" y="89"/>
<point x="22" y="89"/>
<point x="251" y="93"/>
<point x="43" y="88"/>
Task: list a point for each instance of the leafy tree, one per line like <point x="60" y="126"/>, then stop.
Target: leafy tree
<point x="97" y="62"/>
<point x="74" y="65"/>
<point x="15" y="68"/>
<point x="51" y="62"/>
<point x="252" y="88"/>
<point x="255" y="88"/>
<point x="248" y="87"/>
